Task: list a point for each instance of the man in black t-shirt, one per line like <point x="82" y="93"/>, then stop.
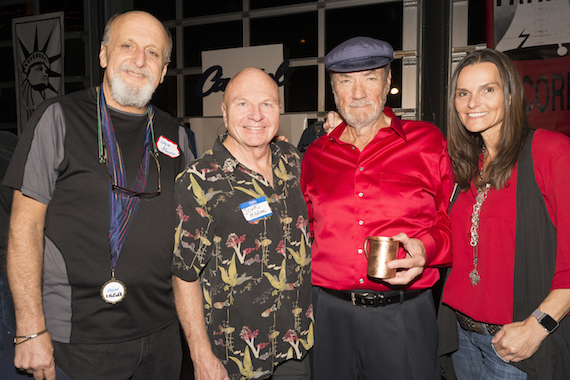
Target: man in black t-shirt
<point x="92" y="220"/>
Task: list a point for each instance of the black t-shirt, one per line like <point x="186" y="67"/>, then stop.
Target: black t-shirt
<point x="57" y="163"/>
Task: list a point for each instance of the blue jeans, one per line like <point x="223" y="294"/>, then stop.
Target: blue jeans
<point x="6" y="308"/>
<point x="477" y="359"/>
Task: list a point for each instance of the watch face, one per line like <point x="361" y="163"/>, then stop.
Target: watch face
<point x="548" y="323"/>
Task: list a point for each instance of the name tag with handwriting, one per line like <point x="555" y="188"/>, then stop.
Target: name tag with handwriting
<point x="255" y="209"/>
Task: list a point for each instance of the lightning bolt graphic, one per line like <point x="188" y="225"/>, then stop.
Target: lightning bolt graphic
<point x="525" y="36"/>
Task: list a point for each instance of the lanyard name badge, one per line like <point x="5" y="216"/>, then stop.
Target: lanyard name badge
<point x="113" y="291"/>
<point x="123" y="208"/>
<point x="255" y="209"/>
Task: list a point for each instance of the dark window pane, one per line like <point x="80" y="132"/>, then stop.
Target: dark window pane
<point x="7" y="13"/>
<point x="192" y="103"/>
<point x="477" y="23"/>
<point x="301" y="89"/>
<point x="256" y="4"/>
<point x="162" y="9"/>
<point x="210" y="7"/>
<point x="210" y="37"/>
<point x="382" y="21"/>
<point x="297" y="32"/>
<point x="73" y="86"/>
<point x="73" y="17"/>
<point x="6" y="64"/>
<point x="165" y="96"/>
<point x="74" y="57"/>
<point x="8" y="105"/>
<point x="393" y="101"/>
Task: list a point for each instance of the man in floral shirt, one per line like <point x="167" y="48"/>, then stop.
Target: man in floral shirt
<point x="243" y="233"/>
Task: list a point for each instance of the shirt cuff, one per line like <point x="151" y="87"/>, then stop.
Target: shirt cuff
<point x="430" y="247"/>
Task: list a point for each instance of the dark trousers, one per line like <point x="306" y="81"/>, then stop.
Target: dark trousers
<point x="396" y="342"/>
<point x="6" y="309"/>
<point x="293" y="369"/>
<point x="156" y="356"/>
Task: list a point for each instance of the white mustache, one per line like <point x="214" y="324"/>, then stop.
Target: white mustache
<point x="143" y="72"/>
<point x="359" y="103"/>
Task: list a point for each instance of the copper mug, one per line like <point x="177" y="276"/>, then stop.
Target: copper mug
<point x="382" y="250"/>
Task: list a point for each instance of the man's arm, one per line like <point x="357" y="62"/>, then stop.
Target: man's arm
<point x="520" y="340"/>
<point x="433" y="248"/>
<point x="24" y="267"/>
<point x="437" y="239"/>
<point x="190" y="308"/>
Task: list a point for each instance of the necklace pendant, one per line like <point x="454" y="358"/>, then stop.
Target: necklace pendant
<point x="113" y="291"/>
<point x="474" y="276"/>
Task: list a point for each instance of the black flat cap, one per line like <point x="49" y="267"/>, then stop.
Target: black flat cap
<point x="359" y="54"/>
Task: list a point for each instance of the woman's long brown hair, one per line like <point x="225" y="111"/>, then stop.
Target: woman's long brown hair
<point x="465" y="147"/>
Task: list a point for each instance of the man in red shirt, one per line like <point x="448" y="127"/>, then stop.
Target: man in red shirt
<point x="375" y="175"/>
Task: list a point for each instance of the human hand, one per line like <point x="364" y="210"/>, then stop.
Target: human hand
<point x="281" y="138"/>
<point x="35" y="356"/>
<point x="412" y="265"/>
<point x="333" y="121"/>
<point x="519" y="340"/>
<point x="210" y="368"/>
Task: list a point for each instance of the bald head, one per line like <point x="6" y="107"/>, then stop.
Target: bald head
<point x="248" y="77"/>
<point x="138" y="14"/>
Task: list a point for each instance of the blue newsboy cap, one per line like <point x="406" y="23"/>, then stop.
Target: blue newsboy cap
<point x="358" y="54"/>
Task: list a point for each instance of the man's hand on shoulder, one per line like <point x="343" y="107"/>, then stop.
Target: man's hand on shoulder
<point x="35" y="356"/>
<point x="412" y="265"/>
<point x="333" y="121"/>
<point x="280" y="138"/>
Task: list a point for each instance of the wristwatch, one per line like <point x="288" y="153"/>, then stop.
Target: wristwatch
<point x="545" y="320"/>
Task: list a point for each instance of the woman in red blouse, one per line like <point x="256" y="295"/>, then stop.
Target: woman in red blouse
<point x="508" y="290"/>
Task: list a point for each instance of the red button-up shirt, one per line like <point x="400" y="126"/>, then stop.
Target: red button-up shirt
<point x="401" y="182"/>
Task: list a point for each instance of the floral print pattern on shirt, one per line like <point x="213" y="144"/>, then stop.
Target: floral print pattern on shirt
<point x="255" y="276"/>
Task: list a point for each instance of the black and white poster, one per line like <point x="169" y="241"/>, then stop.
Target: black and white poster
<point x="38" y="43"/>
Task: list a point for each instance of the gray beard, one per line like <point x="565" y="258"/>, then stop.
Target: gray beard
<point x="129" y="96"/>
<point x="367" y="119"/>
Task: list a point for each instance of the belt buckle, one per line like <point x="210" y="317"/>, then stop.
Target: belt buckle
<point x="367" y="299"/>
<point x="353" y="298"/>
<point x="380" y="300"/>
<point x="361" y="300"/>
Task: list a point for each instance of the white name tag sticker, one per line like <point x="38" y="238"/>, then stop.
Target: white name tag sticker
<point x="168" y="147"/>
<point x="255" y="209"/>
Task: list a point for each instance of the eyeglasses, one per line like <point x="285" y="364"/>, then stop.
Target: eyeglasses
<point x="130" y="193"/>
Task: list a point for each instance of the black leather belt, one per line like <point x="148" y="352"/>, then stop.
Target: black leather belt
<point x="375" y="299"/>
<point x="469" y="324"/>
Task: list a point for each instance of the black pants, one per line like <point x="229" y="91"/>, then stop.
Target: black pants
<point x="395" y="342"/>
<point x="156" y="356"/>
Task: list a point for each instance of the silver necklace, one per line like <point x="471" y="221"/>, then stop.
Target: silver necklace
<point x="482" y="194"/>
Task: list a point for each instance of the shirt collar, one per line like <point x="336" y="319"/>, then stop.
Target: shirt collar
<point x="222" y="154"/>
<point x="395" y="124"/>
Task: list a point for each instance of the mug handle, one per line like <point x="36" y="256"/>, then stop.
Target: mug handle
<point x="365" y="245"/>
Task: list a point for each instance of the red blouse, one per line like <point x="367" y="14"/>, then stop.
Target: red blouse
<point x="400" y="182"/>
<point x="491" y="300"/>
